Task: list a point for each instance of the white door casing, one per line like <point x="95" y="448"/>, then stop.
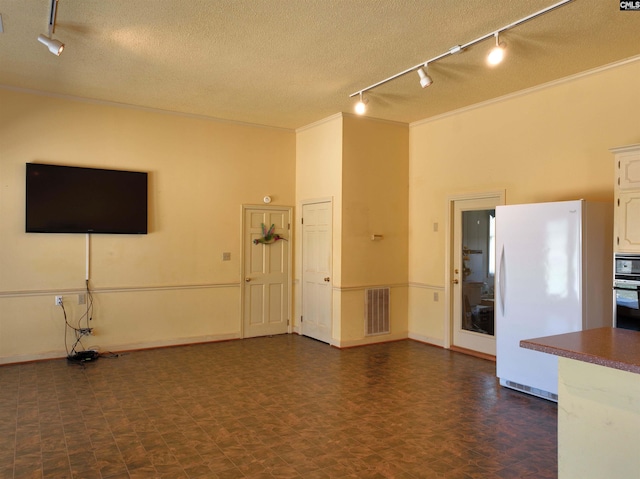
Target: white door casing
<point x="317" y="218"/>
<point x="266" y="287"/>
<point x="456" y="335"/>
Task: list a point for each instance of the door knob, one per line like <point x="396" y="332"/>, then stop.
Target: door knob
<point x="455" y="281"/>
<point x="247" y="280"/>
<point x="327" y="279"/>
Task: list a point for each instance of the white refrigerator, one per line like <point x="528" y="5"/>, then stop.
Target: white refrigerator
<point x="554" y="273"/>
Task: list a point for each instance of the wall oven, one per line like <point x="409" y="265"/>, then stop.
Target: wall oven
<point x="626" y="286"/>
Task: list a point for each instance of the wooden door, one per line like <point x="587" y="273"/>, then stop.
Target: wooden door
<point x="316" y="270"/>
<point x="266" y="263"/>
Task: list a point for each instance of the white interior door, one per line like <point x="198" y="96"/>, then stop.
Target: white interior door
<point x="267" y="284"/>
<point x="316" y="270"/>
<point x="473" y="272"/>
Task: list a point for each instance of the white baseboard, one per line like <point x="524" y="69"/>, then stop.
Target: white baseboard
<point x="427" y="339"/>
<point x="122" y="347"/>
<point x="215" y="338"/>
<point x="382" y="338"/>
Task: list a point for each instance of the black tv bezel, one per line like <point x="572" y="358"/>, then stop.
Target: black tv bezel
<point x="87" y="228"/>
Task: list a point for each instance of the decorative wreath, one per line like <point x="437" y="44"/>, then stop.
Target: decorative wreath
<point x="268" y="236"/>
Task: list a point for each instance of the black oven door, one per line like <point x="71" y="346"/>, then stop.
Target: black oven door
<point x="627" y="308"/>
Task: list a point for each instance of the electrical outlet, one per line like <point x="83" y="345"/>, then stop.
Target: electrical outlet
<point x="58" y="300"/>
<point x="226" y="256"/>
<point x="86" y="331"/>
<point x="82" y="298"/>
<point x="436" y="297"/>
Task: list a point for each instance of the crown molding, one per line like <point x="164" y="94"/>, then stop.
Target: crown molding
<point x="527" y="91"/>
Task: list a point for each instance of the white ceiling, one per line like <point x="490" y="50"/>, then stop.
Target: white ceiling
<point x="289" y="63"/>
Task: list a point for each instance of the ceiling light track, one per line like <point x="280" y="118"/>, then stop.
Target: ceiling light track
<point x="54" y="46"/>
<point x="421" y="68"/>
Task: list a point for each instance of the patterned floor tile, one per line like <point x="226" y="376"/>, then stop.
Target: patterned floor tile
<point x="276" y="407"/>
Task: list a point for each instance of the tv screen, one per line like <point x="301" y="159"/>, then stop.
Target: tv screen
<point x="69" y="199"/>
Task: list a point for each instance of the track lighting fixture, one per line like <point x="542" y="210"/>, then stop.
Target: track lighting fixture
<point x="361" y="106"/>
<point x="54" y="46"/>
<point x="495" y="56"/>
<point x="425" y="79"/>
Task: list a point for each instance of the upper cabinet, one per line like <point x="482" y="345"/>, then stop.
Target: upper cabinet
<point x="627" y="199"/>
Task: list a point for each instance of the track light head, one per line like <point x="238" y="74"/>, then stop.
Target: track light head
<point x="425" y="79"/>
<point x="54" y="46"/>
<point x="497" y="53"/>
<point x="361" y="106"/>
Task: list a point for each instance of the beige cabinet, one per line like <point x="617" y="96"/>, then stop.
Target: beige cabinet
<point x="627" y="199"/>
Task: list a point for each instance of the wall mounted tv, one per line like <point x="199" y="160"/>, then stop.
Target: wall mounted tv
<point x="69" y="199"/>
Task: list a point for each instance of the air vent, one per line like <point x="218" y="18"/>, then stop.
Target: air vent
<point x="376" y="311"/>
<point x="533" y="391"/>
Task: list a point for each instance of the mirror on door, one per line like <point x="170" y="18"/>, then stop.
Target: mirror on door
<point x="478" y="270"/>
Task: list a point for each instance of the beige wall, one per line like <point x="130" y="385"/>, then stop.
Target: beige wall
<point x="547" y="144"/>
<point x="375" y="169"/>
<point x="170" y="286"/>
<point x="375" y="188"/>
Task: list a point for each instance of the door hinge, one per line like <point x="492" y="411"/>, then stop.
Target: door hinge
<point x="618" y="240"/>
<point x="301" y="318"/>
<point x="618" y="201"/>
<point x="287" y="322"/>
<point x="301" y="220"/>
<point x="288" y="226"/>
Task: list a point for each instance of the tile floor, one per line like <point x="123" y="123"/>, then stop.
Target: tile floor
<point x="278" y="407"/>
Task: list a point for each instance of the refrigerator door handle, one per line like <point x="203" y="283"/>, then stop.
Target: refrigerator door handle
<point x="502" y="280"/>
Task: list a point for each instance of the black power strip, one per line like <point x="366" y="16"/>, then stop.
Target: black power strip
<point x="84" y="356"/>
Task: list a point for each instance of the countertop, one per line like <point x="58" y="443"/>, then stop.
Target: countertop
<point x="611" y="347"/>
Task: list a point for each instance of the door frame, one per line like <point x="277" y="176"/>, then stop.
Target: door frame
<point x="449" y="321"/>
<point x="289" y="209"/>
<point x="300" y="265"/>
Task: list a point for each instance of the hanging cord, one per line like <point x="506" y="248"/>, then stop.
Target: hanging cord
<point x="78" y="336"/>
<point x="88" y="314"/>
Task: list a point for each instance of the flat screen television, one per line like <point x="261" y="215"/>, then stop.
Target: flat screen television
<point x="70" y="199"/>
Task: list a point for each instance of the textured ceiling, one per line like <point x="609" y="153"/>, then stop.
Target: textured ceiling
<point x="289" y="63"/>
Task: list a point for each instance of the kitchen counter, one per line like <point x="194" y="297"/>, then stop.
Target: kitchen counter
<point x="610" y="347"/>
<point x="598" y="402"/>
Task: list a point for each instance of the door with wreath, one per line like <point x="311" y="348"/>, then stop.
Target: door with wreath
<point x="266" y="287"/>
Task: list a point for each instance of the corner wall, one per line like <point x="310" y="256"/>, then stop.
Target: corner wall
<point x="362" y="165"/>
